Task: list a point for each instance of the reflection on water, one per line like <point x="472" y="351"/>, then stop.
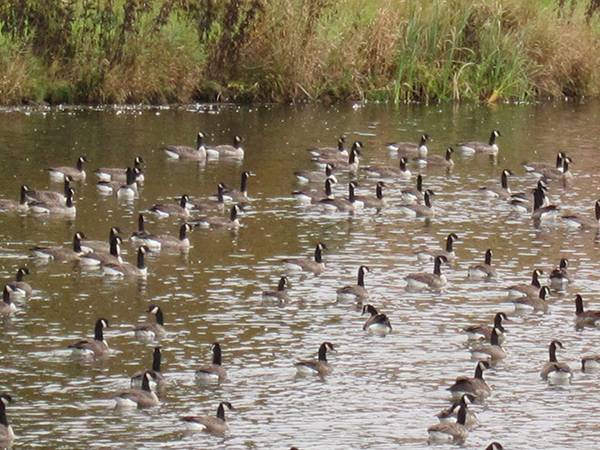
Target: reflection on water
<point x="384" y="391"/>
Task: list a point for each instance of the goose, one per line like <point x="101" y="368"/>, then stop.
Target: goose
<point x="410" y="148"/>
<point x="352" y="203"/>
<point x="88" y="245"/>
<point x="554" y="173"/>
<point x="503" y="192"/>
<point x="50" y="197"/>
<point x="426" y="211"/>
<point x="280" y="295"/>
<point x="560" y="277"/>
<point x="19" y="286"/>
<point x="180" y="152"/>
<point x="156" y="242"/>
<point x="119" y="174"/>
<point x="449" y="415"/>
<point x="536" y="303"/>
<point x="429" y="255"/>
<point x="155" y="375"/>
<point x="215" y="372"/>
<point x="140" y="398"/>
<point x="323" y="151"/>
<point x="411" y="196"/>
<point x="67" y="210"/>
<point x="577" y="221"/>
<point x="312" y="197"/>
<point x="492" y="351"/>
<point x="6" y="432"/>
<point x="234" y="151"/>
<point x="553" y="371"/>
<point x="355" y="291"/>
<point x="485" y="270"/>
<point x="316" y="265"/>
<point x="475" y="386"/>
<point x="349" y="161"/>
<point x="316" y="176"/>
<point x="523" y="290"/>
<point x="537" y="166"/>
<point x="585" y="318"/>
<point x="76" y="173"/>
<point x="491" y="148"/>
<point x="97" y="347"/>
<point x="390" y="172"/>
<point x="98" y="258"/>
<point x="447" y="432"/>
<point x="477" y="332"/>
<point x="9" y="205"/>
<point x="137" y="237"/>
<point x="7" y="306"/>
<point x="377" y="323"/>
<point x="151" y="331"/>
<point x="438" y="160"/>
<point x="433" y="280"/>
<point x="377" y="202"/>
<point x="62" y="253"/>
<point x="320" y="366"/>
<point x="129" y="190"/>
<point x="138" y="270"/>
<point x="241" y="195"/>
<point x="214" y="425"/>
<point x="211" y="204"/>
<point x="169" y="210"/>
<point x="221" y="222"/>
<point x="590" y="363"/>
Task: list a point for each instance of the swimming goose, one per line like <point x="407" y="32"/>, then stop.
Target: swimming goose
<point x="234" y="151"/>
<point x="427" y="211"/>
<point x="7" y="205"/>
<point x="76" y="173"/>
<point x="429" y="255"/>
<point x="553" y="371"/>
<point x="119" y="174"/>
<point x="314" y="197"/>
<point x="585" y="318"/>
<point x="492" y="351"/>
<point x="410" y="148"/>
<point x="215" y="372"/>
<point x="438" y="160"/>
<point x="390" y="172"/>
<point x="221" y="222"/>
<point x="554" y="173"/>
<point x="88" y="245"/>
<point x="157" y="242"/>
<point x="377" y="202"/>
<point x="475" y="386"/>
<point x="50" y="197"/>
<point x="99" y="257"/>
<point x="62" y="253"/>
<point x="280" y="295"/>
<point x="210" y="204"/>
<point x="377" y="323"/>
<point x="316" y="265"/>
<point x="181" y="152"/>
<point x="241" y="195"/>
<point x="485" y="270"/>
<point x="155" y="375"/>
<point x="477" y="332"/>
<point x="503" y="192"/>
<point x="67" y="210"/>
<point x="6" y="432"/>
<point x="450" y="414"/>
<point x="534" y="302"/>
<point x="127" y="269"/>
<point x="319" y="367"/>
<point x="340" y="160"/>
<point x="352" y="203"/>
<point x="170" y="210"/>
<point x="590" y="363"/>
<point x="491" y="148"/>
<point x="450" y="432"/>
<point x="433" y="280"/>
<point x="411" y="196"/>
<point x="560" y="277"/>
<point x="537" y="166"/>
<point x="339" y="150"/>
<point x="19" y="286"/>
<point x="97" y="347"/>
<point x="7" y="306"/>
<point x="355" y="291"/>
<point x="575" y="221"/>
<point x="522" y="290"/>
<point x="316" y="176"/>
<point x="215" y="425"/>
<point x="140" y="398"/>
<point x="151" y="331"/>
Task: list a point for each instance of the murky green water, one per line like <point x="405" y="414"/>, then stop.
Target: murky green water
<point x="384" y="392"/>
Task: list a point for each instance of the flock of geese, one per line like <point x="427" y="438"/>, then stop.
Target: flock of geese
<point x="222" y="212"/>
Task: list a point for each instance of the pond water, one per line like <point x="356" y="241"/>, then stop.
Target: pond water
<point x="384" y="391"/>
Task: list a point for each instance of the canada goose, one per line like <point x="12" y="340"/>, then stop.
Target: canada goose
<point x="215" y="425"/>
<point x="377" y="323"/>
<point x="427" y="211"/>
<point x="575" y="221"/>
<point x="377" y="201"/>
<point x="320" y="367"/>
<point x="62" y="253"/>
<point x="560" y="277"/>
<point x="350" y="161"/>
<point x="585" y="318"/>
<point x="410" y="148"/>
<point x="448" y="252"/>
<point x="19" y="286"/>
<point x="210" y="204"/>
<point x="389" y="172"/>
<point x="450" y="414"/>
<point x="129" y="190"/>
<point x="234" y="151"/>
<point x="119" y="174"/>
<point x="411" y="196"/>
<point x="537" y="166"/>
<point x="315" y="265"/>
<point x="553" y="371"/>
<point x="8" y="205"/>
<point x="590" y="363"/>
<point x="491" y="148"/>
<point x="137" y="237"/>
<point x="241" y="195"/>
<point x="180" y="152"/>
<point x="215" y="372"/>
<point x="312" y="196"/>
<point x="352" y="203"/>
<point x="67" y="210"/>
<point x="97" y="347"/>
<point x="98" y="258"/>
<point x="221" y="222"/>
<point x="492" y="351"/>
<point x="127" y="269"/>
<point x="170" y="210"/>
<point x="7" y="306"/>
<point x="155" y="375"/>
<point x="151" y="331"/>
<point x="355" y="291"/>
<point x="534" y="303"/>
<point x="503" y="192"/>
<point x="554" y="173"/>
<point x="88" y="245"/>
<point x="485" y="270"/>
<point x="156" y="242"/>
<point x="523" y="290"/>
<point x="446" y="432"/>
<point x="140" y="398"/>
<point x="50" y="197"/>
<point x="339" y="150"/>
<point x="433" y="280"/>
<point x="6" y="431"/>
<point x="475" y="386"/>
<point x="316" y="176"/>
<point x="438" y="160"/>
<point x="280" y="295"/>
<point x="477" y="332"/>
<point x="76" y="173"/>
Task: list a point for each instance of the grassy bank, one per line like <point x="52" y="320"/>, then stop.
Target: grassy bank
<point x="144" y="51"/>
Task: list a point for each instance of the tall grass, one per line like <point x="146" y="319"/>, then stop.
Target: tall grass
<point x="150" y="51"/>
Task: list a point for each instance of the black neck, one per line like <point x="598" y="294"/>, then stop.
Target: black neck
<point x="448" y="155"/>
<point x="402" y="165"/>
<point x="140" y="259"/>
<point x="67" y="185"/>
<point x="504" y="180"/>
<point x="492" y="138"/>
<point x="578" y="305"/>
<point x="351" y="195"/>
<point x="281" y="285"/>
<point x="77" y="244"/>
<point x="20" y="275"/>
<point x="494" y="338"/>
<point x="199" y="141"/>
<point x="461" y="416"/>
<point x="427" y="200"/>
<point x="114" y="247"/>
<point x="130" y="176"/>
<point x="233" y="214"/>
<point x="221" y="412"/>
<point x="419" y="183"/>
<point x="182" y="232"/>
<point x="323" y="352"/>
<point x="479" y="372"/>
<point x="449" y="241"/>
<point x="141" y="224"/>
<point x="160" y="318"/>
<point x="318" y="255"/>
<point x="340" y="144"/>
<point x="80" y="164"/>
<point x="437" y="267"/>
<point x="183" y="202"/>
<point x="244" y="180"/>
<point x="559" y="160"/>
<point x="361" y="276"/>
<point x="379" y="191"/>
<point x="145" y="383"/>
<point x="3" y="419"/>
<point x="98" y="334"/>
<point x="538" y="198"/>
<point x="156" y="360"/>
<point x="488" y="257"/>
<point x="498" y="322"/>
<point x="534" y="280"/>
<point x="6" y="296"/>
<point x="69" y="199"/>
<point x="216" y="354"/>
<point x="423" y="141"/>
<point x="328" y="191"/>
<point x="552" y="352"/>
